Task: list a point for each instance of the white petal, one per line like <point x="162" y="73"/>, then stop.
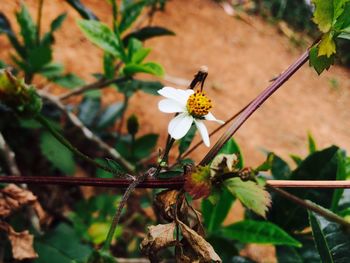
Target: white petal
<point x="203" y="132"/>
<point x="180" y="125"/>
<point x="178" y="95"/>
<point x="170" y="106"/>
<point x="210" y="117"/>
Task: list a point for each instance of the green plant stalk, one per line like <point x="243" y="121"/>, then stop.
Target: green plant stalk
<point x="66" y="143"/>
<point x="169" y="144"/>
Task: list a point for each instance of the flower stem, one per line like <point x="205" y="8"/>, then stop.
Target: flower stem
<point x="66" y="143"/>
<point x="254" y="106"/>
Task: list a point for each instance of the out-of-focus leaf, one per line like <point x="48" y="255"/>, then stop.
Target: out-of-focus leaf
<point x="331" y="241"/>
<point x="57" y="154"/>
<point x="28" y="28"/>
<point x="61" y="245"/>
<point x="5" y="27"/>
<point x="145" y="145"/>
<point x="148" y="67"/>
<point x="261" y="232"/>
<point x="186" y="141"/>
<point x="89" y="109"/>
<point x="129" y="15"/>
<point x="341" y="175"/>
<point x="320" y="63"/>
<point x="279" y="168"/>
<point x="312" y="143"/>
<point x="101" y="256"/>
<point x="55" y="24"/>
<point x="69" y="81"/>
<point x="321" y="165"/>
<point x="147" y="33"/>
<point x="150" y="87"/>
<point x="109" y="115"/>
<point x="297" y="159"/>
<point x="38" y="57"/>
<point x="214" y="214"/>
<point x="99" y="230"/>
<point x="108" y="65"/>
<point x="101" y="35"/>
<point x="82" y="10"/>
<point x="252" y="195"/>
<point x="52" y="70"/>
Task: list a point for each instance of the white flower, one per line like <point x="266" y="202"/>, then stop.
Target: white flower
<point x="192" y="107"/>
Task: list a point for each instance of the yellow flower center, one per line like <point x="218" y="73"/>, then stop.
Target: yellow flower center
<point x="198" y="104"/>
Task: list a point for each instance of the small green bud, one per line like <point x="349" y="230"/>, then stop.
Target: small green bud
<point x="18" y="96"/>
<point x="133" y="125"/>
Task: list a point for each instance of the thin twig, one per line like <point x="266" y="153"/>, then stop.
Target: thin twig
<point x="88" y="133"/>
<point x="313" y="207"/>
<point x="254" y="106"/>
<point x="10" y="157"/>
<point x="101" y="83"/>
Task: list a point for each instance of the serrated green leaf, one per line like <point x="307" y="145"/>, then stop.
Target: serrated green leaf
<point x="130" y="14"/>
<point x="147" y="33"/>
<point x="331" y="241"/>
<point x="149" y="67"/>
<point x="320" y="63"/>
<point x="57" y="154"/>
<point x="28" y="28"/>
<point x="261" y="232"/>
<point x="252" y="195"/>
<point x="327" y="45"/>
<point x="101" y="35"/>
<point x="215" y="213"/>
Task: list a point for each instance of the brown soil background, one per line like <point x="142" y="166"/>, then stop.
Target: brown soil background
<point x="241" y="58"/>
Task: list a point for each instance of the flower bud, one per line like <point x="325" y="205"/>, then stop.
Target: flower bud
<point x="18" y="96"/>
<point x="133" y="125"/>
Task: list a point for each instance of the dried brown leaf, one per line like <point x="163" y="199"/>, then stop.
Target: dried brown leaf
<point x="158" y="237"/>
<point x="21" y="242"/>
<point x="198" y="182"/>
<point x="13" y="198"/>
<point x="202" y="248"/>
<point x="164" y="203"/>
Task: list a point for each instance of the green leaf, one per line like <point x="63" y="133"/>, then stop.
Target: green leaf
<point x="341" y="175"/>
<point x="28" y="28"/>
<point x="214" y="214"/>
<point x="55" y="24"/>
<point x="252" y="195"/>
<point x="145" y="145"/>
<point x="186" y="141"/>
<point x="101" y="35"/>
<point x="61" y="245"/>
<point x="89" y="110"/>
<point x="345" y="35"/>
<point x="108" y="66"/>
<point x="5" y="27"/>
<point x="84" y="12"/>
<point x="129" y="15"/>
<point x="57" y="154"/>
<point x="312" y="143"/>
<point x="297" y="159"/>
<point x="321" y="165"/>
<point x="279" y="168"/>
<point x="149" y="67"/>
<point x="327" y="45"/>
<point x="140" y="55"/>
<point x="320" y="63"/>
<point x="232" y="147"/>
<point x="147" y="33"/>
<point x="52" y="70"/>
<point x="261" y="232"/>
<point x="69" y="81"/>
<point x="38" y="57"/>
<point x="109" y="115"/>
<point x="331" y="241"/>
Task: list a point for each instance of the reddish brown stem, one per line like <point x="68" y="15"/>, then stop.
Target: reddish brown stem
<point x="174" y="183"/>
